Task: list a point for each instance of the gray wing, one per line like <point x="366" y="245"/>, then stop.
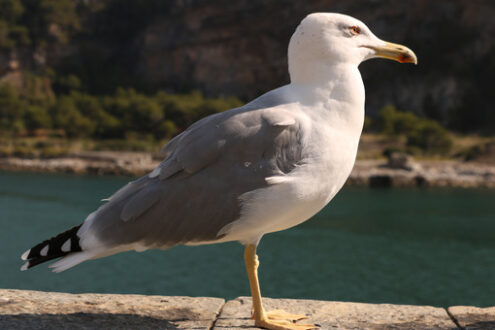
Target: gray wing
<point x="195" y="191"/>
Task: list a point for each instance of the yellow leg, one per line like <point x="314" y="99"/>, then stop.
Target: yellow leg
<point x="276" y="320"/>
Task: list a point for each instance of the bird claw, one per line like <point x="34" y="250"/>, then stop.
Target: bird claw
<point x="280" y="314"/>
<point x="283" y="325"/>
<point x="282" y="320"/>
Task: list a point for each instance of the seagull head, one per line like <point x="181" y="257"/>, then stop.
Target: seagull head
<point x="328" y="39"/>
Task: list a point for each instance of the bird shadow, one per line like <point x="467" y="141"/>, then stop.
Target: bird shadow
<point x="84" y="321"/>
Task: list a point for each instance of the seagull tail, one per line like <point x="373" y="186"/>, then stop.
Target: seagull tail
<point x="64" y="245"/>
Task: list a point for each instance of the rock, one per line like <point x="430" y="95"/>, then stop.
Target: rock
<point x="21" y="309"/>
<point x="340" y="315"/>
<point x="428" y="173"/>
<point x="380" y="181"/>
<point x="402" y="161"/>
<point x="470" y="317"/>
<point x="484" y="153"/>
<point x="100" y="162"/>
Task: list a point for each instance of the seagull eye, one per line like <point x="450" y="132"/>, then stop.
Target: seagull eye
<point x="355" y="30"/>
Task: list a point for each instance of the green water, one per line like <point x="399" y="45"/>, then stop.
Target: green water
<point x="407" y="246"/>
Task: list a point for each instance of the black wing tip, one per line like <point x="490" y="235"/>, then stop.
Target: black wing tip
<point x="52" y="248"/>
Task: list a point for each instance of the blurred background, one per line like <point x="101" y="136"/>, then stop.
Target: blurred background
<point x="98" y="86"/>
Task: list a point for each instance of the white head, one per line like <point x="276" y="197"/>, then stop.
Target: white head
<point x="328" y="39"/>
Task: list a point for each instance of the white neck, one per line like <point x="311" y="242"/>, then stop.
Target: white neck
<point x="333" y="94"/>
<point x="337" y="88"/>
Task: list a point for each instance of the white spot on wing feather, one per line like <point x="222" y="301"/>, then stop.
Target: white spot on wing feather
<point x="66" y="246"/>
<point x="44" y="251"/>
<point x="25" y="255"/>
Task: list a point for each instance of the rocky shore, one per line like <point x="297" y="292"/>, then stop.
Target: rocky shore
<point x="90" y="162"/>
<point x="423" y="174"/>
<point x="398" y="171"/>
<point x="21" y="309"/>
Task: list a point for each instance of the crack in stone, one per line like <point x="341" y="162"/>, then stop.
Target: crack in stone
<point x="217" y="316"/>
<point x="454" y="320"/>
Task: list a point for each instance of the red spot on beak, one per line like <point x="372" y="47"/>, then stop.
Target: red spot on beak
<point x="404" y="58"/>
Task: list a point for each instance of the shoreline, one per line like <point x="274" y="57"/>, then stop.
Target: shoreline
<point x="372" y="173"/>
<point x="445" y="173"/>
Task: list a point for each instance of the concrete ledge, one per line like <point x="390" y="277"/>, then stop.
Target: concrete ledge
<point x="469" y="317"/>
<point x="52" y="310"/>
<point x="21" y="309"/>
<point x="340" y="315"/>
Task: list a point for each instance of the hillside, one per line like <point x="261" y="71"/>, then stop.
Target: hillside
<point x="238" y="48"/>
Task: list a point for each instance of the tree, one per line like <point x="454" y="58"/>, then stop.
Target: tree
<point x="37" y="116"/>
<point x="11" y="108"/>
<point x="66" y="116"/>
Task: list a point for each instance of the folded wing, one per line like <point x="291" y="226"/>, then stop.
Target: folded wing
<point x="195" y="191"/>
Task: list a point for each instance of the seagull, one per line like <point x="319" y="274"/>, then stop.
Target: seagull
<point x="240" y="174"/>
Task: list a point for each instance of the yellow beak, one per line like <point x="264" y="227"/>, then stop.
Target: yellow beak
<point x="395" y="52"/>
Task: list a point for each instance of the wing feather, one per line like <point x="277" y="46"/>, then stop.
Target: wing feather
<point x="195" y="191"/>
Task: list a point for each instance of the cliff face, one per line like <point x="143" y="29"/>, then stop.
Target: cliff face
<point x="239" y="48"/>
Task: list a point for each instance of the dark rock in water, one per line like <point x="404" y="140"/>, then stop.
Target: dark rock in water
<point x="421" y="181"/>
<point x="384" y="181"/>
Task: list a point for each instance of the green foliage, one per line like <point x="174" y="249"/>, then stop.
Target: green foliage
<point x="166" y="129"/>
<point x="392" y="122"/>
<point x="37" y="90"/>
<point x="430" y="137"/>
<point x="6" y="151"/>
<point x="424" y="135"/>
<point x="103" y="124"/>
<point x="138" y="112"/>
<point x="11" y="108"/>
<point x="127" y="114"/>
<point x="37" y="117"/>
<point x="24" y="151"/>
<point x="11" y="33"/>
<point x="67" y="116"/>
<point x="185" y="109"/>
<point x="11" y="10"/>
<point x="53" y="151"/>
<point x="66" y="84"/>
<point x="130" y="143"/>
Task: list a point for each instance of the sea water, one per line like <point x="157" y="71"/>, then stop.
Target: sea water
<point x="403" y="246"/>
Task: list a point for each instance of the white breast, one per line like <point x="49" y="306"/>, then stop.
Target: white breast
<point x="296" y="197"/>
<point x="335" y="119"/>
